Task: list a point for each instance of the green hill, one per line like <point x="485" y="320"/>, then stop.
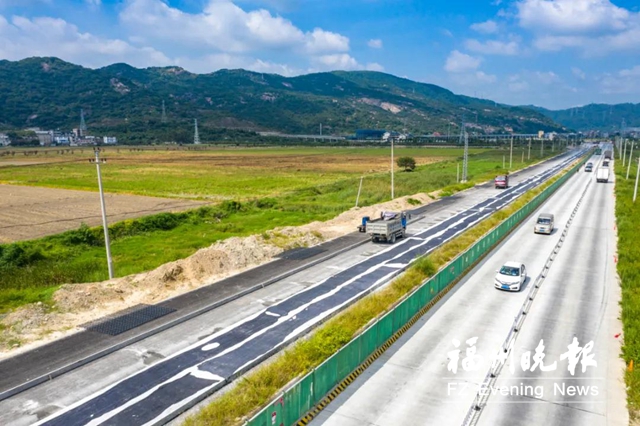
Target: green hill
<point x="602" y="117"/>
<point x="126" y="102"/>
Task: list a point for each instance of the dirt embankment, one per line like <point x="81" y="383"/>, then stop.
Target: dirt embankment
<point x="76" y="304"/>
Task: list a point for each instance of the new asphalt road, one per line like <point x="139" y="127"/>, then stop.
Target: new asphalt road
<point x="415" y="382"/>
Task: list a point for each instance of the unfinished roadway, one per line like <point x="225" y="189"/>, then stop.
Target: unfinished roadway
<point x="155" y="378"/>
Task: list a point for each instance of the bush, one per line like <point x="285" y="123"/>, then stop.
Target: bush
<point x="409" y="163"/>
<point x="83" y="235"/>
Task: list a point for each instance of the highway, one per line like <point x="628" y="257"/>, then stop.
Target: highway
<point x="149" y="382"/>
<point x="412" y="384"/>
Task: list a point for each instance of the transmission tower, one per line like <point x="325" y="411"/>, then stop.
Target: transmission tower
<point x="83" y="125"/>
<point x="163" y="119"/>
<point x="196" y="136"/>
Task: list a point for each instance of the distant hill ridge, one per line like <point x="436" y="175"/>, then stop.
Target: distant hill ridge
<point x="127" y="101"/>
<point x="603" y="117"/>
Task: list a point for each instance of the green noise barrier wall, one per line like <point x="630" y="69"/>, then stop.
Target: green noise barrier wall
<point x="299" y="403"/>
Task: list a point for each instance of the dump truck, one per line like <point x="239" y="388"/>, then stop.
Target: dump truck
<point x="389" y="227"/>
<point x="602" y="175"/>
<point x="607" y="154"/>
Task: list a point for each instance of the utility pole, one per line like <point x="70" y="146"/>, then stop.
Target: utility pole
<point x="97" y="161"/>
<point x="630" y="160"/>
<point x="392" y="170"/>
<point x="624" y="152"/>
<point x="196" y="135"/>
<point x="465" y="158"/>
<point x="83" y="124"/>
<point x="529" y="156"/>
<point x="635" y="191"/>
<point x="359" y="189"/>
<point x="541" y="147"/>
<point x="458" y="173"/>
<point x="511" y="154"/>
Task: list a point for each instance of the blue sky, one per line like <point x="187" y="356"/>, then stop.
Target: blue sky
<point x="552" y="53"/>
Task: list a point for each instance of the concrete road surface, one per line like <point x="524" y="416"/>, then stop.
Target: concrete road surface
<point x="412" y="384"/>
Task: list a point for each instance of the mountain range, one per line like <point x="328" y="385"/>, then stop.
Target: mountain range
<point x="127" y="102"/>
<point x="609" y="118"/>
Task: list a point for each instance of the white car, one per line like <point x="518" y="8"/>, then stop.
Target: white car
<point x="511" y="276"/>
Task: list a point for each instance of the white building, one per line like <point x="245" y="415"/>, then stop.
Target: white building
<point x="4" y="140"/>
<point x="110" y="140"/>
<point x="62" y="140"/>
<point x="45" y="137"/>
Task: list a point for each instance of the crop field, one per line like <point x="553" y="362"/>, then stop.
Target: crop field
<point x="215" y="174"/>
<point x="254" y="190"/>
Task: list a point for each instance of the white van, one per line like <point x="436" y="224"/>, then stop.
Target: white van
<point x="544" y="224"/>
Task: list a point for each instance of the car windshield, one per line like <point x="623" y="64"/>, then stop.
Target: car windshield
<point x="510" y="270"/>
<point x="500" y="178"/>
<point x="544" y="221"/>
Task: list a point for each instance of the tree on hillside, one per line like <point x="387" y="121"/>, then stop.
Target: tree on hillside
<point x="409" y="163"/>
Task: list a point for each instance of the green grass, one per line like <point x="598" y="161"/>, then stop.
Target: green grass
<point x="216" y="174"/>
<point x="144" y="244"/>
<point x="628" y="218"/>
<point x="256" y="389"/>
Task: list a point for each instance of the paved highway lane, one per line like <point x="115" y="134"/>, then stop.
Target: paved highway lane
<point x="162" y="389"/>
<point x="411" y="384"/>
<point x="579" y="299"/>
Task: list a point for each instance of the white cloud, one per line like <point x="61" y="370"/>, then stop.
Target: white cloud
<point x="596" y="27"/>
<point x="23" y="37"/>
<point x="338" y="61"/>
<point x="572" y="16"/>
<point x="375" y="43"/>
<point x="623" y="82"/>
<point x="461" y="62"/>
<point x="485" y="78"/>
<point x="493" y="47"/>
<point x="487" y="27"/>
<point x="226" y="27"/>
<point x="476" y="79"/>
<point x="341" y="61"/>
<point x="374" y="66"/>
<point x="578" y="73"/>
<point x="547" y="78"/>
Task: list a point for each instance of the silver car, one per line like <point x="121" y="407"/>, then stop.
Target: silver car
<point x="544" y="224"/>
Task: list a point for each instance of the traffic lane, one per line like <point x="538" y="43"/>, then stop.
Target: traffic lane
<point x="577" y="300"/>
<point x="411" y="381"/>
<point x="146" y="383"/>
<point x="80" y="383"/>
<point x="64" y="390"/>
